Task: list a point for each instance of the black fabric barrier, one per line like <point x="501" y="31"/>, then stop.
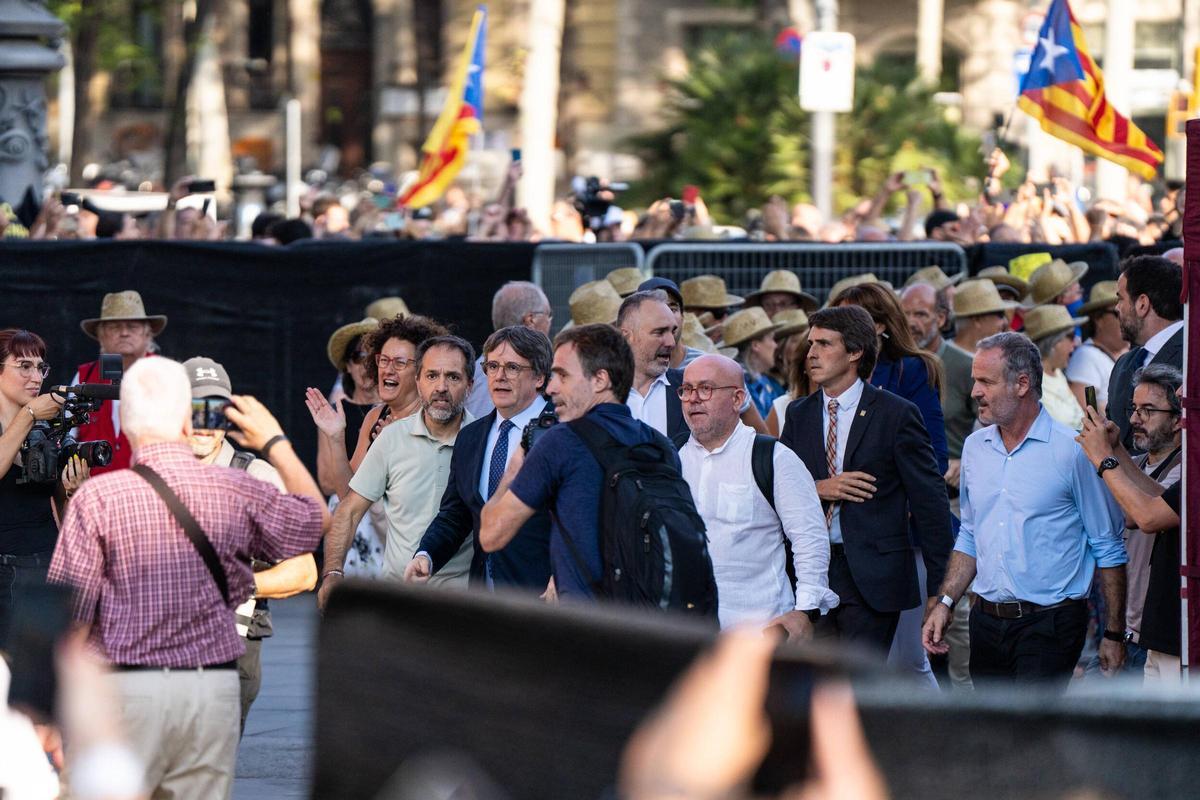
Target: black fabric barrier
<point x="535" y="701"/>
<point x="1102" y="258"/>
<point x="266" y="313"/>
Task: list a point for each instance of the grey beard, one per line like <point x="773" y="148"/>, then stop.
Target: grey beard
<point x="439" y="415"/>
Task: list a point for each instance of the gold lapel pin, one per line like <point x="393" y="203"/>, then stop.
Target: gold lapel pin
<point x="862" y="413"/>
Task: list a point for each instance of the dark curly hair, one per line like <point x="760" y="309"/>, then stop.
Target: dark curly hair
<point x="413" y="329"/>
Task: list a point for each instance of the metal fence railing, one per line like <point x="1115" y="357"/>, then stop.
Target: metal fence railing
<point x="560" y="268"/>
<point x="819" y="266"/>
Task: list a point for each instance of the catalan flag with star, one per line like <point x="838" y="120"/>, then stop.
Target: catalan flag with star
<point x="445" y="151"/>
<point x="1064" y="91"/>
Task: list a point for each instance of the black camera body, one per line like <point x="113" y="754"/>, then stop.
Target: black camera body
<point x="593" y="198"/>
<point x="50" y="445"/>
<point x="537" y="427"/>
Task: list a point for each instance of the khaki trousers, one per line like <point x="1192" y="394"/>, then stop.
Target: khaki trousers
<point x="183" y="726"/>
<point x="1162" y="668"/>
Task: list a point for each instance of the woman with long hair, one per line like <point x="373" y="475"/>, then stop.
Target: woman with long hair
<point x="903" y="368"/>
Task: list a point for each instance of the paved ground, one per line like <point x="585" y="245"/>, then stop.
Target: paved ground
<point x="275" y="755"/>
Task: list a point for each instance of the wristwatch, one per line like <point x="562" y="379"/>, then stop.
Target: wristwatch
<point x="947" y="601"/>
<point x="814" y="614"/>
<point x="1114" y="636"/>
<point x="1108" y="463"/>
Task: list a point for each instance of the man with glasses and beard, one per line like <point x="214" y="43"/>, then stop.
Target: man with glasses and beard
<point x="516" y="361"/>
<point x="409" y="467"/>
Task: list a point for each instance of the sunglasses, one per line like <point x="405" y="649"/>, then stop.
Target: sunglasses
<point x="208" y="414"/>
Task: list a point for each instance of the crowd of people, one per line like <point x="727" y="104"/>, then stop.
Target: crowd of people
<point x="974" y="480"/>
<point x="909" y="205"/>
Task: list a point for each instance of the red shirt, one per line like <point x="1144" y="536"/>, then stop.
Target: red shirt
<point x="140" y="583"/>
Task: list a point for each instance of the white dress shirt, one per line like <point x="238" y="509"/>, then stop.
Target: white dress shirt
<point x="514" y="439"/>
<point x="1156" y="342"/>
<point x="847" y="407"/>
<point x="745" y="535"/>
<point x="651" y="409"/>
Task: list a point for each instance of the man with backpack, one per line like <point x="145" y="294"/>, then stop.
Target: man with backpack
<point x="752" y="492"/>
<point x="624" y="525"/>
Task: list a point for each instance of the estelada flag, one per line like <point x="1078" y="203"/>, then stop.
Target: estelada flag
<point x="1064" y="90"/>
<point x="445" y="151"/>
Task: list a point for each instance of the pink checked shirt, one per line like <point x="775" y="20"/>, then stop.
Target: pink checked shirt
<point x="140" y="583"/>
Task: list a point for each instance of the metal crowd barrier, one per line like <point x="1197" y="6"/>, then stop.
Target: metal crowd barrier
<point x="819" y="266"/>
<point x="560" y="268"/>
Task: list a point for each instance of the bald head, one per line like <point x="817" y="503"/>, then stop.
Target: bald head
<point x="1174" y="254"/>
<point x="715" y="417"/>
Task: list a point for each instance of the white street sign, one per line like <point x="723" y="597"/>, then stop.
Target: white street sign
<point x="827" y="71"/>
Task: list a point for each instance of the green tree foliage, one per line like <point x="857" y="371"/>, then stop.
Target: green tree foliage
<point x="734" y="127"/>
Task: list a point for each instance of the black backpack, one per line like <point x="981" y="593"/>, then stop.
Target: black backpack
<point x="652" y="541"/>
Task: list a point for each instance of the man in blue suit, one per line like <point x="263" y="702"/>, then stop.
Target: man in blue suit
<point x="517" y="365"/>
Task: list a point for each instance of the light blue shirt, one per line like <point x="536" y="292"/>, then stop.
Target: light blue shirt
<point x="847" y="405"/>
<point x="519" y="422"/>
<point x="1037" y="520"/>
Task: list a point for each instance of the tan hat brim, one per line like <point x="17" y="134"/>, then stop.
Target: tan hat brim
<point x="754" y="334"/>
<point x="807" y="301"/>
<point x="1077" y="273"/>
<point x="788" y="330"/>
<point x="157" y="323"/>
<point x="1004" y="305"/>
<point x="730" y="300"/>
<point x="1096" y="305"/>
<point x="1075" y="322"/>
<point x="335" y="349"/>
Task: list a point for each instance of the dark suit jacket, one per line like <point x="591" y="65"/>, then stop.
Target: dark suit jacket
<point x="676" y="424"/>
<point x="888" y="440"/>
<point x="1120" y="382"/>
<point x="525" y="561"/>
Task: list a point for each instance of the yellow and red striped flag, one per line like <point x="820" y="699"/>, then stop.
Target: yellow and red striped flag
<point x="1064" y="91"/>
<point x="445" y="151"/>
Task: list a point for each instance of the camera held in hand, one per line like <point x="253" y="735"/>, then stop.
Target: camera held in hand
<point x="537" y="427"/>
<point x="50" y="445"/>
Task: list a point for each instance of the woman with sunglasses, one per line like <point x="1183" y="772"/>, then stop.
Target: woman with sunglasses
<point x="28" y="527"/>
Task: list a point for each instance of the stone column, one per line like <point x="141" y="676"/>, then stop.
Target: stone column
<point x="28" y="53"/>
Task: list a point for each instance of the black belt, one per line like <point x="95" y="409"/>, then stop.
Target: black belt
<point x="152" y="668"/>
<point x="1017" y="609"/>
<point x="35" y="560"/>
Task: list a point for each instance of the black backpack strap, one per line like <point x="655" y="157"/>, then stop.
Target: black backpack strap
<point x="599" y="441"/>
<point x="1167" y="464"/>
<point x="241" y="460"/>
<point x="192" y="528"/>
<point x="762" y="464"/>
<point x="680" y="439"/>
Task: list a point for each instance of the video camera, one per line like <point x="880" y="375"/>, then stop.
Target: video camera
<point x="50" y="444"/>
<point x="537" y="427"/>
<point x="593" y="199"/>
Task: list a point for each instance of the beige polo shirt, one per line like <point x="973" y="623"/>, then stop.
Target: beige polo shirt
<point x="409" y="469"/>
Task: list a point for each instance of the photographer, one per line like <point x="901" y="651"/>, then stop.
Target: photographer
<point x="27" y="526"/>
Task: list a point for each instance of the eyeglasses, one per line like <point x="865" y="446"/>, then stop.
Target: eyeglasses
<point x="511" y="371"/>
<point x="401" y="363"/>
<point x="1144" y="412"/>
<point x="703" y="392"/>
<point x="27" y="368"/>
<point x="359" y="356"/>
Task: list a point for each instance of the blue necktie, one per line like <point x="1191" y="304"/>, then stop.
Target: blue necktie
<point x="495" y="473"/>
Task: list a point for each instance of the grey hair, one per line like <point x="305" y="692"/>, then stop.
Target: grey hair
<point x="1046" y="344"/>
<point x="1021" y="357"/>
<point x="1166" y="377"/>
<point x="631" y="304"/>
<point x="514" y="300"/>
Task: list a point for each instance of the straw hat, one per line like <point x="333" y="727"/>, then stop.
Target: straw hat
<point x="595" y="301"/>
<point x="747" y="324"/>
<point x="1048" y="320"/>
<point x="1050" y="280"/>
<point x="1003" y="278"/>
<point x="707" y="291"/>
<point x="692" y="335"/>
<point x="787" y="282"/>
<point x="387" y="308"/>
<point x="934" y="276"/>
<point x="343" y="336"/>
<point x="794" y="320"/>
<point x="123" y="307"/>
<point x="979" y="296"/>
<point x="846" y="283"/>
<point x="625" y="280"/>
<point x="1103" y="295"/>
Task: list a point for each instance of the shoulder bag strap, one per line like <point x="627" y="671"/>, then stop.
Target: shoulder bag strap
<point x="1168" y="462"/>
<point x="192" y="528"/>
<point x="762" y="464"/>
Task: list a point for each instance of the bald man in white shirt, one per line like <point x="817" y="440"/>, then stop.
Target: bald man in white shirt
<point x="745" y="531"/>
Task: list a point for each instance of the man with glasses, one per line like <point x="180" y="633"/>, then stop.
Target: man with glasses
<point x="408" y="466"/>
<point x="517" y="365"/>
<point x="123" y="328"/>
<point x="746" y="529"/>
<point x="515" y="303"/>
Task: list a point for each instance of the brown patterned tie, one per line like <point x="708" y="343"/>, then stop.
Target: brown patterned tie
<point x="831" y="456"/>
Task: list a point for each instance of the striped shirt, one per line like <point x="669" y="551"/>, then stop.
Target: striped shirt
<point x="139" y="582"/>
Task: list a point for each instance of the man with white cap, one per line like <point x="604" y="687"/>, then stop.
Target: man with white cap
<point x="211" y="392"/>
<point x="123" y="328"/>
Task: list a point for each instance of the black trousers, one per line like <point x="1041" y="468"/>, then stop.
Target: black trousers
<point x="854" y="620"/>
<point x="1042" y="647"/>
<point x="15" y="583"/>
